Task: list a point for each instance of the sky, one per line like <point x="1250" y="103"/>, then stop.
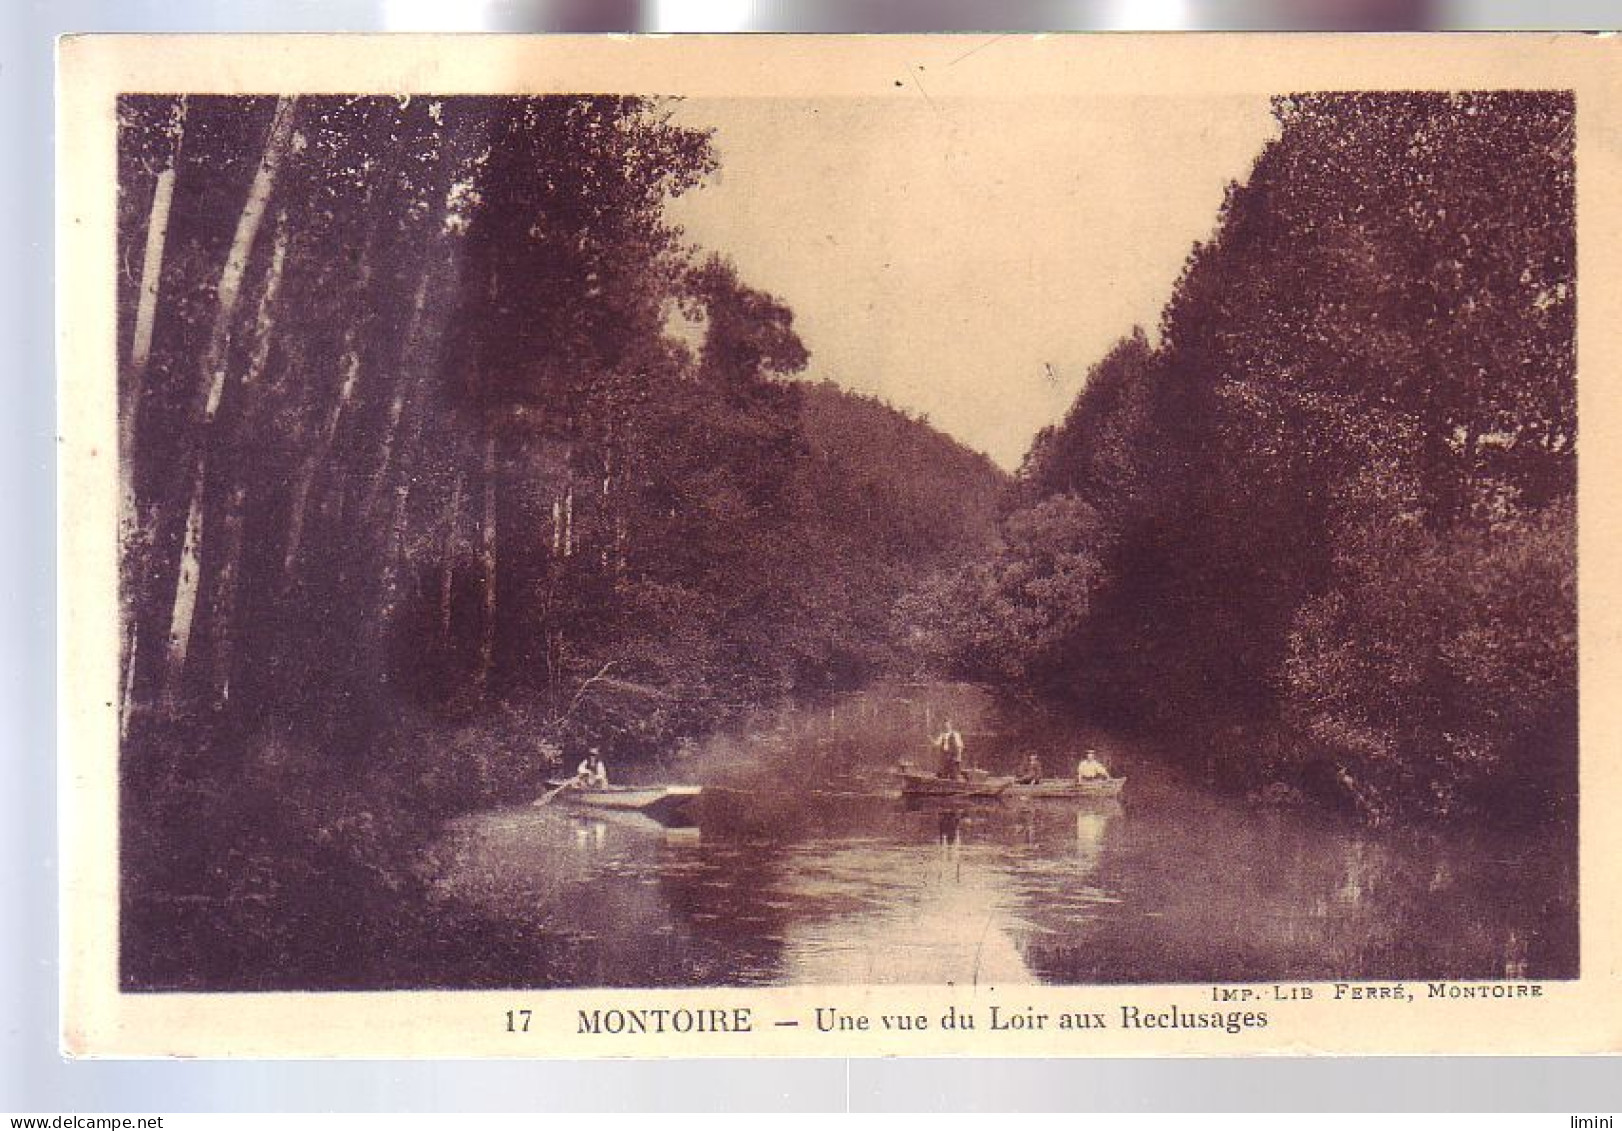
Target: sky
<point x="968" y="260"/>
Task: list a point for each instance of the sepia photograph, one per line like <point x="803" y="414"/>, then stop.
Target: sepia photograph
<point x="927" y="535"/>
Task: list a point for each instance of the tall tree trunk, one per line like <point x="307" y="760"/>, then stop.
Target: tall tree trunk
<point x="394" y="550"/>
<point x="401" y="445"/>
<point x="439" y="284"/>
<point x="621" y="539"/>
<point x="132" y="641"/>
<point x="605" y="553"/>
<point x="223" y="610"/>
<point x="568" y="522"/>
<point x="295" y="519"/>
<point x="264" y="317"/>
<point x="320" y="452"/>
<point x="223" y="614"/>
<point x="447" y="575"/>
<point x="133" y="541"/>
<point x="185" y="604"/>
<point x="407" y="389"/>
<point x="184" y="607"/>
<point x="487" y="559"/>
<point x="619" y="506"/>
<point x="146" y="311"/>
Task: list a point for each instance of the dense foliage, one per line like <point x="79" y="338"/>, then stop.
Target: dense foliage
<point x="444" y="458"/>
<point x="1324" y="530"/>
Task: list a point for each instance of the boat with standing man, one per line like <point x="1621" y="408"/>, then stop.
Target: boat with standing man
<point x="974" y="786"/>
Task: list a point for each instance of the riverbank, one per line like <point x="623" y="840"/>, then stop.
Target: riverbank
<point x="327" y="880"/>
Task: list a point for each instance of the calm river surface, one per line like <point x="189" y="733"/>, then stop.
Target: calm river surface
<point x="1170" y="884"/>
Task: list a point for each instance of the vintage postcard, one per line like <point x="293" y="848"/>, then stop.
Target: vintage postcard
<point x="634" y="546"/>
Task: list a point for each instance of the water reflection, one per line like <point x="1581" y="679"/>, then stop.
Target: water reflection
<point x="924" y="915"/>
<point x="1173" y="886"/>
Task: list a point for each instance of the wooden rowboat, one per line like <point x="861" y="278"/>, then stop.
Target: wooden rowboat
<point x="667" y="804"/>
<point x="1068" y="789"/>
<point x="918" y="785"/>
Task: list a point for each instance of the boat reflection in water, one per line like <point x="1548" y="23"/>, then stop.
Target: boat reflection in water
<point x="919" y="914"/>
<point x="1175" y="886"/>
<point x="1091" y="821"/>
<point x="590" y="834"/>
<point x="911" y="897"/>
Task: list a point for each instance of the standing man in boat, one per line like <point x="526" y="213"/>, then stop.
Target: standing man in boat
<point x="950" y="746"/>
<point x="591" y="773"/>
<point x="1090" y="768"/>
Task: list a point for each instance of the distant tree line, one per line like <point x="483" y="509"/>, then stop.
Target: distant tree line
<point x="1322" y="531"/>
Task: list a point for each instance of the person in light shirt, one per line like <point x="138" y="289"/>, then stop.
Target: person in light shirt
<point x="1090" y="768"/>
<point x="592" y="773"/>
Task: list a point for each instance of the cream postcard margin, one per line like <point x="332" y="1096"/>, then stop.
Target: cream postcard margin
<point x="1581" y="1016"/>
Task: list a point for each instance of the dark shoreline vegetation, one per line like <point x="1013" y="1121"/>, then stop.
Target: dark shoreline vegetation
<point x="445" y="454"/>
<point x="1325" y="529"/>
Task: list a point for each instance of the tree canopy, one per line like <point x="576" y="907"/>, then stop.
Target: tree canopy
<point x="445" y="455"/>
<point x="1324" y="528"/>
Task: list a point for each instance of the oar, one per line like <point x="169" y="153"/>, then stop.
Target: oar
<point x="547" y="797"/>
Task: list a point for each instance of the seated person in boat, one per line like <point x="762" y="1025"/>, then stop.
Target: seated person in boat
<point x="950" y="746"/>
<point x="591" y="773"/>
<point x="1090" y="768"/>
<point x="1032" y="771"/>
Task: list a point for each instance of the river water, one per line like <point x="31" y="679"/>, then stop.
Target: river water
<point x="1170" y="884"/>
